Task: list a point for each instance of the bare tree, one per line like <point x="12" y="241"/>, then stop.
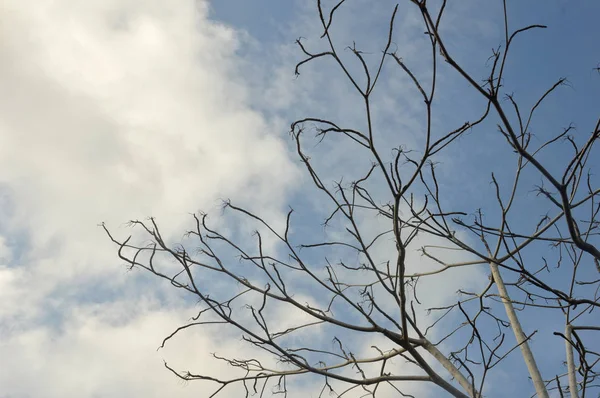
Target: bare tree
<point x="544" y="263"/>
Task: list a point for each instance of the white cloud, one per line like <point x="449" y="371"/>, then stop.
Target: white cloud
<point x="112" y="110"/>
<point x="125" y="109"/>
<point x="108" y="350"/>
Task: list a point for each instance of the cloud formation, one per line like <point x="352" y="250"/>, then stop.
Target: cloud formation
<point x="112" y="110"/>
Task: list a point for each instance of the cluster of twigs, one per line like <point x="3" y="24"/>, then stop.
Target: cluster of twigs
<point x="551" y="266"/>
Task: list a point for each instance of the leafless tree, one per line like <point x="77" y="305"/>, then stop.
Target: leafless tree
<point x="541" y="263"/>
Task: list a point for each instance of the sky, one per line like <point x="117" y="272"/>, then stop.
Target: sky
<point x="112" y="110"/>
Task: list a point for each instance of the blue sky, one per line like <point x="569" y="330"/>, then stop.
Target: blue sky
<point x="121" y="109"/>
